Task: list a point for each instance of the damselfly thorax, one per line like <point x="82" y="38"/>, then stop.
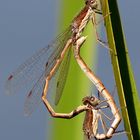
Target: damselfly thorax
<point x="82" y="19"/>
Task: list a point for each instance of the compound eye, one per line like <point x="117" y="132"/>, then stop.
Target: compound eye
<point x="92" y="98"/>
<point x="92" y="1"/>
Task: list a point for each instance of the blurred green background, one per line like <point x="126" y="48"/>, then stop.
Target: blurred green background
<point x="27" y="26"/>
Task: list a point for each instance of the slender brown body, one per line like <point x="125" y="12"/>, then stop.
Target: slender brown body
<point x="80" y="22"/>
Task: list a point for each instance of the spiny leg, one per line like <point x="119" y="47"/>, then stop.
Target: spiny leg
<point x="110" y="119"/>
<point x="102" y="136"/>
<point x="101" y="19"/>
<point x="58" y="61"/>
<point x="102" y="43"/>
<point x="120" y="132"/>
<point x="104" y="126"/>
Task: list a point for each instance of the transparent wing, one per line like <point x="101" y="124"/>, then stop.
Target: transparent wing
<point x="29" y="72"/>
<point x="34" y="97"/>
<point x="64" y="68"/>
<point x="32" y="73"/>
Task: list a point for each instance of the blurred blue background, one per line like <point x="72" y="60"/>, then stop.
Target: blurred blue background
<point x="25" y="27"/>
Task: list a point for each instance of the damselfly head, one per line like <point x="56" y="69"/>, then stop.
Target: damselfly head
<point x="92" y="3"/>
<point x="91" y="100"/>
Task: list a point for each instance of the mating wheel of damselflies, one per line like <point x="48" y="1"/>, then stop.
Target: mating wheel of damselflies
<point x="41" y="67"/>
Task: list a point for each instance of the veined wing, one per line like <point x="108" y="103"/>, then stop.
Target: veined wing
<point x="29" y="72"/>
<point x="64" y="68"/>
<point x="33" y="72"/>
<point x="34" y="96"/>
<point x="33" y="99"/>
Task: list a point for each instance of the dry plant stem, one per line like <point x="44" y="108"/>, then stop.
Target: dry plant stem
<point x="100" y="87"/>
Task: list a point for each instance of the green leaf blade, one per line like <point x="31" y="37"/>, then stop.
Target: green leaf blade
<point x="123" y="73"/>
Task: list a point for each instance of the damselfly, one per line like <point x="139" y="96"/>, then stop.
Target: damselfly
<point x="41" y="67"/>
<point x="93" y="108"/>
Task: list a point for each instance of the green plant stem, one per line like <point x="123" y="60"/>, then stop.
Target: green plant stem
<point x="123" y="73"/>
